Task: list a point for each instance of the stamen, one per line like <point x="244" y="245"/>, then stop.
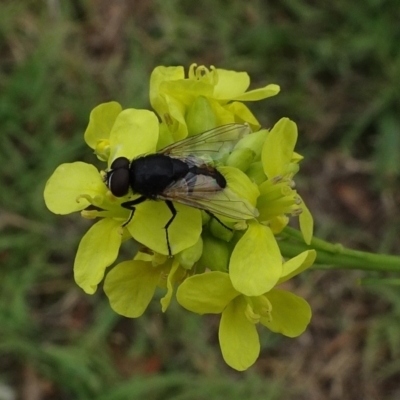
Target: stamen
<point x="250" y="314"/>
<point x="89" y="214"/>
<point x="201" y="71"/>
<point x="277" y="178"/>
<point x="296" y="212"/>
<point x="96" y="200"/>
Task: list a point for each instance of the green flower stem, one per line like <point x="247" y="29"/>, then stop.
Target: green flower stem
<point x="336" y="256"/>
<point x="382" y="281"/>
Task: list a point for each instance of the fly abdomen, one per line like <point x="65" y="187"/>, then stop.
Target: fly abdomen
<point x="211" y="172"/>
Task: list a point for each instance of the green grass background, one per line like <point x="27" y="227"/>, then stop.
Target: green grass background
<point x="338" y="65"/>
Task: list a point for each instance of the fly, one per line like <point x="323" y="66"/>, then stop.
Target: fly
<point x="184" y="173"/>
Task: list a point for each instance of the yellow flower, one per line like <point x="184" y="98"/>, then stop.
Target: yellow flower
<point x="277" y="309"/>
<point x="234" y="239"/>
<point x="217" y="95"/>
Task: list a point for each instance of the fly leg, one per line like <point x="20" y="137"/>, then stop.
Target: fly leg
<point x="174" y="212"/>
<point x="130" y="205"/>
<point x="218" y="220"/>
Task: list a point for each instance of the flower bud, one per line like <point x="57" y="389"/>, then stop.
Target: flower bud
<point x="205" y="218"/>
<point x="292" y="169"/>
<point x="219" y="231"/>
<point x="241" y="159"/>
<point x="189" y="256"/>
<point x="253" y="142"/>
<point x="256" y="173"/>
<point x="215" y="254"/>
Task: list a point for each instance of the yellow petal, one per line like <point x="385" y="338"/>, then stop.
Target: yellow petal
<point x="130" y="287"/>
<point x="278" y="148"/>
<point x="256" y="262"/>
<point x="165" y="137"/>
<point x="222" y="114"/>
<point x="207" y="293"/>
<point x="101" y="121"/>
<point x="277" y="224"/>
<point x="296" y="157"/>
<point x="231" y="84"/>
<point x="161" y="74"/>
<point x="169" y="106"/>
<point x="297" y="264"/>
<point x="176" y="118"/>
<point x="150" y="218"/>
<point x="186" y="90"/>
<point x="306" y="223"/>
<point x="259" y="94"/>
<point x="175" y="274"/>
<point x="68" y="182"/>
<point x="238" y="337"/>
<point x="239" y="182"/>
<point x="134" y="133"/>
<point x="200" y="116"/>
<point x="243" y="115"/>
<point x="97" y="250"/>
<point x="290" y="314"/>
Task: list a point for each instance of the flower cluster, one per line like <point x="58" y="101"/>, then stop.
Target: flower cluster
<point x="218" y="265"/>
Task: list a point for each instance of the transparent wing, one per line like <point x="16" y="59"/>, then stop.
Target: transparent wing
<point x="203" y="192"/>
<point x="213" y="144"/>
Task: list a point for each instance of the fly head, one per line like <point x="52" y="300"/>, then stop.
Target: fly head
<point x="118" y="177"/>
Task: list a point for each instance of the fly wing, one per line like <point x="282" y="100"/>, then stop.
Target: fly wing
<point x="200" y="191"/>
<point x="213" y="144"/>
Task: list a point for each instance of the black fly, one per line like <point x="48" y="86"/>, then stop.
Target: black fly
<point x="183" y="173"/>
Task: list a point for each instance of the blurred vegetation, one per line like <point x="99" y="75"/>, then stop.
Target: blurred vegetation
<point x="338" y="64"/>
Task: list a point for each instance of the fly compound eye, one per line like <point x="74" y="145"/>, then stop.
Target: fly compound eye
<point x="120" y="162"/>
<point x="118" y="177"/>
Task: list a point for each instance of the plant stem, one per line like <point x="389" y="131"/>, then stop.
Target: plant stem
<point x="336" y="256"/>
